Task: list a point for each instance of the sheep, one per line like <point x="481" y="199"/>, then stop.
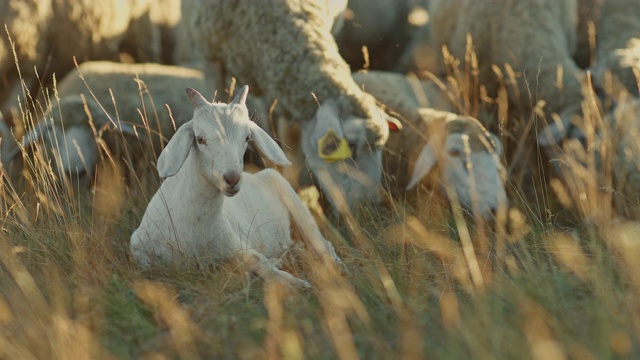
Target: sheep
<point x="521" y="70"/>
<point x="588" y="18"/>
<point x="382" y="26"/>
<point x="625" y="120"/>
<point x="618" y="45"/>
<point x="444" y="132"/>
<point x="535" y="38"/>
<point x="6" y="143"/>
<point x="208" y="210"/>
<point x="285" y="51"/>
<point x="144" y="104"/>
<point x="49" y="34"/>
<point x="524" y="47"/>
<point x="25" y="21"/>
<point x="59" y="30"/>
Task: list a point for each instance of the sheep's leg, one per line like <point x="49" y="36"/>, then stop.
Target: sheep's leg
<point x="263" y="267"/>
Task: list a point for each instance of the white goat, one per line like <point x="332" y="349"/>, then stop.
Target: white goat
<point x="189" y="215"/>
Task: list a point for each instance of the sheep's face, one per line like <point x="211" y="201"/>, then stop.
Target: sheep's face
<point x="468" y="159"/>
<point x="354" y="176"/>
<point x="474" y="175"/>
<point x="356" y="179"/>
<point x="221" y="135"/>
<point x="217" y="138"/>
<point x="72" y="149"/>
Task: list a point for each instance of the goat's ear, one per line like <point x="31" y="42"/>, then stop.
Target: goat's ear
<point x="241" y="97"/>
<point x="175" y="153"/>
<point x="426" y="160"/>
<point x="196" y="98"/>
<point x="268" y="146"/>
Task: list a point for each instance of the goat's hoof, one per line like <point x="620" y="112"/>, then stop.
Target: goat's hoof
<point x="292" y="281"/>
<point x="302" y="284"/>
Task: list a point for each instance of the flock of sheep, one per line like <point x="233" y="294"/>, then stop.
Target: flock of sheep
<point x="392" y="124"/>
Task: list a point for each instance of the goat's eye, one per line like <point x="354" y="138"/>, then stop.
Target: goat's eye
<point x="201" y="141"/>
<point x="247" y="138"/>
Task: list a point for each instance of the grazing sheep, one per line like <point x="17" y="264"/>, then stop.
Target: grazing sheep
<point x="50" y="33"/>
<point x="520" y="69"/>
<point x="603" y="178"/>
<point x="25" y="21"/>
<point x="201" y="212"/>
<point x="618" y="44"/>
<point x="437" y="139"/>
<point x="382" y="26"/>
<point x="7" y="144"/>
<point x="625" y="119"/>
<point x="535" y="38"/>
<point x="144" y="97"/>
<point x="285" y="51"/>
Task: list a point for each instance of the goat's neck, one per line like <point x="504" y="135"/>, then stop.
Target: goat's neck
<point x="196" y="190"/>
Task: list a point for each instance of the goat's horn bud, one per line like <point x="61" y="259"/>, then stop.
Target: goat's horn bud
<point x="241" y="97"/>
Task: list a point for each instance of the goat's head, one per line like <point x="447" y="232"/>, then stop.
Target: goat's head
<point x="217" y="138"/>
<point x="347" y="165"/>
<point x="468" y="158"/>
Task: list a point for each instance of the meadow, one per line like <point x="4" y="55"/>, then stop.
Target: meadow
<point x="559" y="280"/>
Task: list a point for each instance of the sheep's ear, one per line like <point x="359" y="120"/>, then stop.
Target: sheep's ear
<point x="241" y="97"/>
<point x="326" y="127"/>
<point x="32" y="136"/>
<point x="175" y="153"/>
<point x="4" y="128"/>
<point x="78" y="150"/>
<point x="394" y="124"/>
<point x="196" y="98"/>
<point x="497" y="143"/>
<point x="560" y="128"/>
<point x="8" y="151"/>
<point x="127" y="129"/>
<point x="552" y="134"/>
<point x="426" y="160"/>
<point x="268" y="146"/>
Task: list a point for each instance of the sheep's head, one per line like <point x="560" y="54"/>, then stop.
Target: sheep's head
<point x="468" y="158"/>
<point x="72" y="149"/>
<point x="346" y="164"/>
<point x="606" y="165"/>
<point x="8" y="146"/>
<point x="217" y="138"/>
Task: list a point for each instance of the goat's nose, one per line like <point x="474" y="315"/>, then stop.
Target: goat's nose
<point x="232" y="179"/>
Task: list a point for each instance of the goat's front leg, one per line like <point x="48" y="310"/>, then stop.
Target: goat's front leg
<point x="263" y="267"/>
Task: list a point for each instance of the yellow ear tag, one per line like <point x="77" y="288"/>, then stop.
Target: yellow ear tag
<point x="332" y="148"/>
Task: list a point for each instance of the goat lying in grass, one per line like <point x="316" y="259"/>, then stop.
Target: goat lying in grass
<point x="190" y="217"/>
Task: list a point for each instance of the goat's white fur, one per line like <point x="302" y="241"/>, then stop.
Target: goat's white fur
<point x="198" y="213"/>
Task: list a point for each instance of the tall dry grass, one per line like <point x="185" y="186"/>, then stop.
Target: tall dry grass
<point x="423" y="281"/>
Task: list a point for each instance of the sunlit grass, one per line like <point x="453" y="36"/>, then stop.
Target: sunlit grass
<point x="422" y="280"/>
